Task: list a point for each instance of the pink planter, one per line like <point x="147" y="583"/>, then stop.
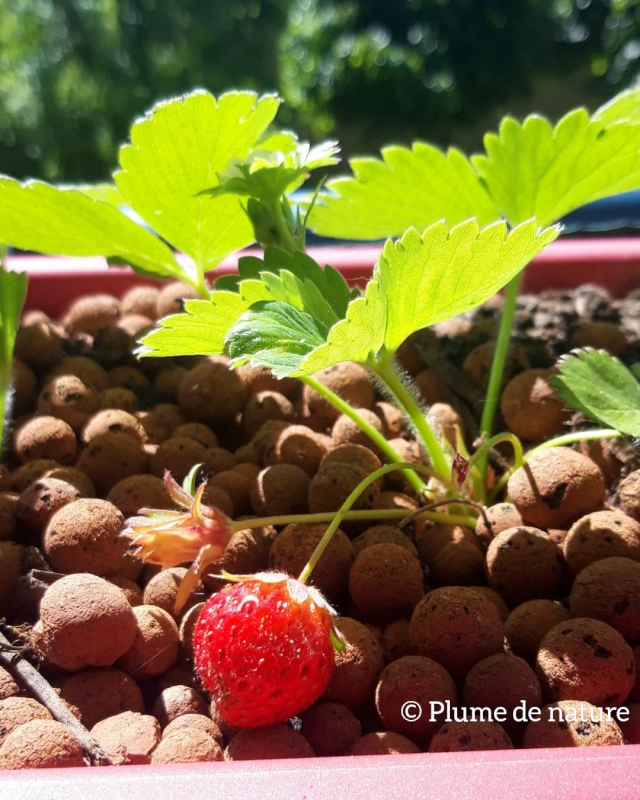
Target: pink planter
<point x="608" y="772"/>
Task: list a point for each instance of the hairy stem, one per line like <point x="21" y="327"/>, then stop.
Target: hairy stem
<point x="376" y="437"/>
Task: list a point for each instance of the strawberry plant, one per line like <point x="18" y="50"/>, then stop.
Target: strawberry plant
<point x="13" y="289"/>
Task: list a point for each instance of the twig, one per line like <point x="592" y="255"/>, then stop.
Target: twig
<point x="28" y="677"/>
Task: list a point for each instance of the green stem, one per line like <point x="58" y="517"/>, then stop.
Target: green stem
<point x="499" y="360"/>
<point x="5" y="351"/>
<point x="387" y="373"/>
<point x="376" y="437"/>
<point x="482" y="452"/>
<point x="287" y="240"/>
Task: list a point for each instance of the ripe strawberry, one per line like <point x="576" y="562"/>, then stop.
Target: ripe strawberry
<point x="263" y="649"/>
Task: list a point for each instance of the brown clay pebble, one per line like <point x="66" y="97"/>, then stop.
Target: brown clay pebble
<point x="556" y="487"/>
<point x="187" y="627"/>
<point x="237" y="486"/>
<point x="38" y="345"/>
<point x="197" y="431"/>
<point x="112" y="421"/>
<point x="167" y="383"/>
<point x="280" y="489"/>
<point x="330" y="728"/>
<point x="261" y="407"/>
<point x="274" y="741"/>
<point x="585" y="659"/>
<point x="39" y="744"/>
<point x="334" y="483"/>
<point x="260" y="379"/>
<point x="110" y="458"/>
<point x="219" y="460"/>
<point x="128" y="738"/>
<point x="88" y="370"/>
<point x="572" y="723"/>
<point x="496" y="519"/>
<point x="12" y="558"/>
<point x="91" y="312"/>
<point x="524" y="564"/>
<point x="357" y="668"/>
<point x="355" y="454"/>
<point x="301" y="446"/>
<point x="527" y="625"/>
<point x="117" y="397"/>
<point x="84" y="536"/>
<point x="386" y="581"/>
<point x="430" y="387"/>
<point x="95" y="694"/>
<point x="629" y="495"/>
<point x="45" y="437"/>
<point x="162" y="590"/>
<point x="413" y="679"/>
<point x="40" y="501"/>
<point x="136" y="492"/>
<point x="155" y="646"/>
<point x="383" y="534"/>
<point x="247" y="552"/>
<point x="501" y="607"/>
<point x="211" y="393"/>
<point x="446" y="422"/>
<point x="434" y="538"/>
<point x="187" y="745"/>
<point x="460" y="737"/>
<point x="70" y="399"/>
<point x="346" y="431"/>
<point x="394" y="423"/>
<point x="86" y="622"/>
<point x="140" y="300"/>
<point x="217" y="497"/>
<point x="602" y="534"/>
<point x="396" y="641"/>
<point x="503" y="681"/>
<point x="457" y="627"/>
<point x="294" y="546"/>
<point x="530" y="406"/>
<point x="8" y="515"/>
<point x="25" y="387"/>
<point x="601" y="335"/>
<point x="8" y="687"/>
<point x="176" y="701"/>
<point x="383" y="743"/>
<point x="349" y="381"/>
<point x="22" y="477"/>
<point x="199" y="722"/>
<point x="609" y="590"/>
<point x="171" y="296"/>
<point x="15" y="711"/>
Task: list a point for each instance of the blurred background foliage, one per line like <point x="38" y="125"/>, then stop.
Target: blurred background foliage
<point x="75" y="73"/>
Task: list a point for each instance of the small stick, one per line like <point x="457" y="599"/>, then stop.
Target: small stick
<point x="28" y="677"/>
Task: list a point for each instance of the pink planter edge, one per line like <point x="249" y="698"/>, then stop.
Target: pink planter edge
<point x="607" y="772"/>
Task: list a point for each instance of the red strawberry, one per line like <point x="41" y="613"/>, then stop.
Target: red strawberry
<point x="263" y="649"/>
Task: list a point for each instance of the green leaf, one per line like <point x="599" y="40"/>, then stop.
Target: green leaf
<point x="199" y="330"/>
<point x="106" y="192"/>
<point x="274" y="335"/>
<point x="600" y="387"/>
<point x="533" y="169"/>
<point x="421" y="280"/>
<point x="408" y="187"/>
<point x="13" y="290"/>
<point x="39" y="217"/>
<point x="176" y="151"/>
<point x="624" y="106"/>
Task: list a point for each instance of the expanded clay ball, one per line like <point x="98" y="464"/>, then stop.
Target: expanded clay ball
<point x="70" y="399"/>
<point x="8" y="687"/>
<point x="445" y="422"/>
<point x="572" y="723"/>
<point x="294" y="546"/>
<point x="430" y="387"/>
<point x="86" y="622"/>
<point x="503" y="681"/>
<point x="261" y="379"/>
<point x="461" y="737"/>
<point x="175" y="701"/>
<point x="413" y="679"/>
<point x="198" y="432"/>
<point x="8" y="515"/>
<point x="112" y="457"/>
<point x="348" y="380"/>
<point x="528" y="624"/>
<point x="217" y="497"/>
<point x="112" y="420"/>
<point x="132" y="325"/>
<point x="199" y="722"/>
<point x="383" y="743"/>
<point x="273" y="741"/>
<point x="187" y="745"/>
<point x="155" y="644"/>
<point x="171" y="295"/>
<point x="497" y="518"/>
<point x="22" y="477"/>
<point x="430" y="540"/>
<point x="457" y="627"/>
<point x="301" y="446"/>
<point x="588" y="660"/>
<point x="524" y="564"/>
<point x="117" y="397"/>
<point x="478" y="362"/>
<point x="383" y="534"/>
<point x="212" y="393"/>
<point x="601" y="335"/>
<point x="394" y="422"/>
<point x="238" y="488"/>
<point x="263" y="406"/>
<point x="355" y="454"/>
<point x="247" y="552"/>
<point x="530" y="406"/>
<point x="629" y="495"/>
<point x="187" y="626"/>
<point x="177" y="455"/>
<point x="386" y="581"/>
<point x="280" y="489"/>
<point x="140" y="300"/>
<point x="556" y="487"/>
<point x="41" y="500"/>
<point x="345" y="430"/>
<point x="38" y="345"/>
<point x="16" y="711"/>
<point x="334" y="482"/>
<point x="128" y="738"/>
<point x="84" y="536"/>
<point x="219" y="459"/>
<point x="330" y="728"/>
<point x="167" y="383"/>
<point x="39" y="744"/>
<point x="357" y="668"/>
<point x="457" y="564"/>
<point x="600" y="535"/>
<point x="162" y="589"/>
<point x="12" y="558"/>
<point x="136" y="492"/>
<point x="501" y="607"/>
<point x="609" y="590"/>
<point x="45" y="437"/>
<point x="95" y="694"/>
<point x="396" y="641"/>
<point x="88" y="370"/>
<point x="91" y="312"/>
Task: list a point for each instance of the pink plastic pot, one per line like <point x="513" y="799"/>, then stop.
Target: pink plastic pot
<point x="609" y="772"/>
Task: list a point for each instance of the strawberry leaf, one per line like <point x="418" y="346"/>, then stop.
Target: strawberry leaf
<point x="600" y="387"/>
<point x="407" y="187"/>
<point x="13" y="290"/>
<point x="422" y="279"/>
<point x="39" y="217"/>
<point x="535" y="169"/>
<point x="624" y="106"/>
<point x="274" y="335"/>
<point x="176" y="151"/>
